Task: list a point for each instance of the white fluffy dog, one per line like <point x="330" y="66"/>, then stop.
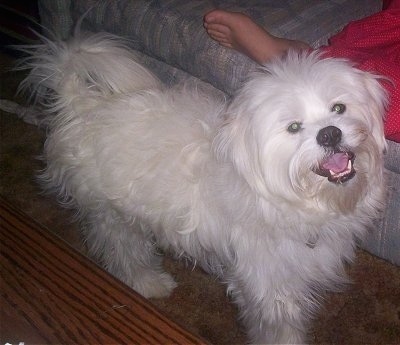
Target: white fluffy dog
<point x="268" y="191"/>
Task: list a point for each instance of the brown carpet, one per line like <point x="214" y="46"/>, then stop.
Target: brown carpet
<point x="368" y="312"/>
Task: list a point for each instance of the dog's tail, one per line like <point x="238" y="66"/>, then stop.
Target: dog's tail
<point x="87" y="66"/>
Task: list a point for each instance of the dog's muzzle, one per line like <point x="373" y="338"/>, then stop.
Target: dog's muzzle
<point x="337" y="165"/>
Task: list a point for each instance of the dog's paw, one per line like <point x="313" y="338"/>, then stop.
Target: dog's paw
<point x="152" y="284"/>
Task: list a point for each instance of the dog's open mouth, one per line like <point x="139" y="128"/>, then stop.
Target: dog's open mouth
<point x="338" y="167"/>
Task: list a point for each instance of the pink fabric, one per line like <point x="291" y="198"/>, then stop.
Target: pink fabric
<point x="373" y="43"/>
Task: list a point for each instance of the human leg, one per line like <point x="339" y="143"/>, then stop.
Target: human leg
<point x="238" y="31"/>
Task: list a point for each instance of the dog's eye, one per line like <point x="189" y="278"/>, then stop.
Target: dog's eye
<point x="294" y="127"/>
<point x="339" y="108"/>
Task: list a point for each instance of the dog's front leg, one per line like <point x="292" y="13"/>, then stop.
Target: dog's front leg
<point x="270" y="315"/>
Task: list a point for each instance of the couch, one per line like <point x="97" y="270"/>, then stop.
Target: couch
<point x="172" y="42"/>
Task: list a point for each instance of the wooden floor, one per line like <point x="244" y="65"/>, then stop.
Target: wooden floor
<point x="52" y="294"/>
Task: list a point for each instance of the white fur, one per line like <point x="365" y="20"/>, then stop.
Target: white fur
<point x="224" y="184"/>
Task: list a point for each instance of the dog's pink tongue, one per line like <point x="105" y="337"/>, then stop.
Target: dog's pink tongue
<point x="337" y="162"/>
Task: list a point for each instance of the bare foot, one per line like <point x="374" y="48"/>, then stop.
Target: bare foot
<point x="238" y="31"/>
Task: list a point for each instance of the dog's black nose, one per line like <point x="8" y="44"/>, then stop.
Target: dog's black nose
<point x="329" y="136"/>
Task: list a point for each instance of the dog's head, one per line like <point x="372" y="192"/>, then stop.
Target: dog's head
<point x="308" y="131"/>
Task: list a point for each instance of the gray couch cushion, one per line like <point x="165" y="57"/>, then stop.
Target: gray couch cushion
<point x="384" y="239"/>
<point x="172" y="31"/>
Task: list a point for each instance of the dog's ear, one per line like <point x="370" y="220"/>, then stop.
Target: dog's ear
<point x="377" y="105"/>
<point x="235" y="142"/>
<point x="241" y="140"/>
